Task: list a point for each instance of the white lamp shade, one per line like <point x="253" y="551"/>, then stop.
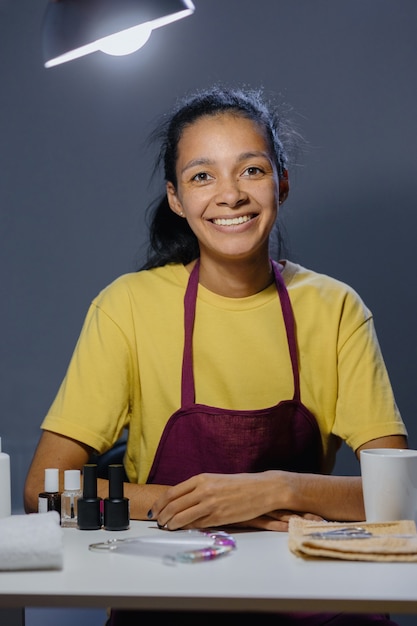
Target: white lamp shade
<point x="74" y="28"/>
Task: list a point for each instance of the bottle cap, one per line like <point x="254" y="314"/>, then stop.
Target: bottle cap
<point x="116" y="507"/>
<point x="116" y="475"/>
<point x="72" y="480"/>
<point x="51" y="480"/>
<point x="90" y="480"/>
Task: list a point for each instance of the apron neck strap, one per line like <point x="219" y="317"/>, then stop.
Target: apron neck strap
<point x="190" y="301"/>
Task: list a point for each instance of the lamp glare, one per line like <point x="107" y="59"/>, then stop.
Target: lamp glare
<point x="75" y="28"/>
<point x="125" y="42"/>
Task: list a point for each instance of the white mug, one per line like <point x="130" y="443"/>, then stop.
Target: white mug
<point x="389" y="482"/>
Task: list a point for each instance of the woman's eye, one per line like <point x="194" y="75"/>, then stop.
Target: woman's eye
<point x="201" y="177"/>
<point x="253" y="171"/>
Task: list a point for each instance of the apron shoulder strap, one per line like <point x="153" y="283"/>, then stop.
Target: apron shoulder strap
<point x="190" y="301"/>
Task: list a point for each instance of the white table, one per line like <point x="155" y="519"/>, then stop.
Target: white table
<point x="260" y="575"/>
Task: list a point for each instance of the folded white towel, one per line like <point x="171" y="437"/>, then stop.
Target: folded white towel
<point x="31" y="542"/>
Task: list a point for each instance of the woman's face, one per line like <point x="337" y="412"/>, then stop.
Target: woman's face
<point x="228" y="187"/>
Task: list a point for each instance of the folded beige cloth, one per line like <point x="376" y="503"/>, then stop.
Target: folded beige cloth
<point x="390" y="541"/>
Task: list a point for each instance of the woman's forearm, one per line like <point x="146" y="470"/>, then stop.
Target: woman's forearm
<point x="262" y="499"/>
<point x="337" y="498"/>
<point x="141" y="497"/>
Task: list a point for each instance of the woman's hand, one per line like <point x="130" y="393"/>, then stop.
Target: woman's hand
<point x="209" y="500"/>
<point x="264" y="500"/>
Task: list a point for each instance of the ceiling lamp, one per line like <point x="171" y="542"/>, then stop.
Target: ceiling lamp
<point x="74" y="28"/>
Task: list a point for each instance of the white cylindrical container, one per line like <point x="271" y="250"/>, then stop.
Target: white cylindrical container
<point x="5" y="489"/>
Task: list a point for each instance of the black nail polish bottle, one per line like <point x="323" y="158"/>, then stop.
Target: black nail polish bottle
<point x="116" y="506"/>
<point x="89" y="506"/>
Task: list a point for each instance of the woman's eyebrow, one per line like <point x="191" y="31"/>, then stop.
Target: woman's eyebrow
<point x="244" y="156"/>
<point x="196" y="163"/>
<point x="254" y="154"/>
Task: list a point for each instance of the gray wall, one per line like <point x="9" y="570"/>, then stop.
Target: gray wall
<point x="74" y="171"/>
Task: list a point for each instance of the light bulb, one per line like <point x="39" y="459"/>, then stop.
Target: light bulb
<point x="125" y="42"/>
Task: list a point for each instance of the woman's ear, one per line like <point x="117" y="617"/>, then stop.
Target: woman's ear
<point x="284" y="187"/>
<point x="174" y="203"/>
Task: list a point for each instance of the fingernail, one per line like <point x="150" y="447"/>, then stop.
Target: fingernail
<point x="149" y="514"/>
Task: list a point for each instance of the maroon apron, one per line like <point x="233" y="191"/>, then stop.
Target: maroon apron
<point x="199" y="438"/>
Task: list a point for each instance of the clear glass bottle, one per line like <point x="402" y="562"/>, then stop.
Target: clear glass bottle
<point x="50" y="498"/>
<point x="69" y="498"/>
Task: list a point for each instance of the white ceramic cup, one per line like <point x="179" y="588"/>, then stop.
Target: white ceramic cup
<point x="389" y="481"/>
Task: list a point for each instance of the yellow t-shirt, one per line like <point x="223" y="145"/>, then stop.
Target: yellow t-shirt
<point x="126" y="368"/>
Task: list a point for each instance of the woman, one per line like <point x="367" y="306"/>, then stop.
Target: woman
<point x="264" y="366"/>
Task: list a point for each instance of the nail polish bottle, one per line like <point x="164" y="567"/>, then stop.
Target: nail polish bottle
<point x="116" y="506"/>
<point x="5" y="485"/>
<point x="69" y="498"/>
<point x="50" y="498"/>
<point x="89" y="506"/>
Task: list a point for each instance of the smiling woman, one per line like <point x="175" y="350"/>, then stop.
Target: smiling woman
<point x="229" y="197"/>
<point x="236" y="374"/>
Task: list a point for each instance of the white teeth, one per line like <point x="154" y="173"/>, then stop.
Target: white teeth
<point x="233" y="221"/>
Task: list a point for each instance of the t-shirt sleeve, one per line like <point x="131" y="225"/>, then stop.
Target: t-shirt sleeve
<point x="366" y="407"/>
<point x="92" y="404"/>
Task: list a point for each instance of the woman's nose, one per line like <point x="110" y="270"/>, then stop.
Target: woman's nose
<point x="230" y="193"/>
